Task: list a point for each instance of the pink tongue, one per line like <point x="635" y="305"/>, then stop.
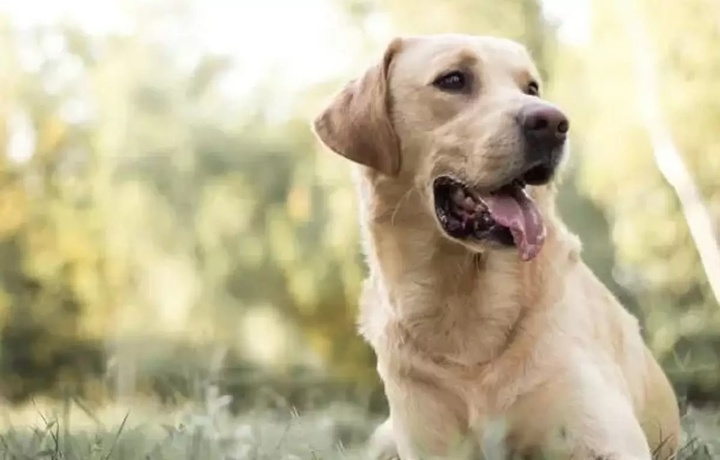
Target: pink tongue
<point x="513" y="208"/>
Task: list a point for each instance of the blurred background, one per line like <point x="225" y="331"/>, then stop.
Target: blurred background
<point x="168" y="224"/>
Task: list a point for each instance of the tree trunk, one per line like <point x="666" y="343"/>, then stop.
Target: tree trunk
<point x="667" y="157"/>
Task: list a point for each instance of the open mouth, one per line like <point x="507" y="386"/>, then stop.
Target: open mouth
<point x="507" y="215"/>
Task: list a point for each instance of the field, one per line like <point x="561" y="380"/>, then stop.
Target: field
<point x="207" y="431"/>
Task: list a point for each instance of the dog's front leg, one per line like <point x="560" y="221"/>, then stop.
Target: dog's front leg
<point x="427" y="422"/>
<point x="382" y="444"/>
<point x="591" y="418"/>
<point x="608" y="429"/>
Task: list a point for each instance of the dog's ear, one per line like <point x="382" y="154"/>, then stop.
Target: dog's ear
<point x="357" y="124"/>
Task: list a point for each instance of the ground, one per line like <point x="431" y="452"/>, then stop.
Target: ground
<point x="208" y="432"/>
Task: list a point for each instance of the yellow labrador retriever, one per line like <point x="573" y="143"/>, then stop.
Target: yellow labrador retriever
<point x="492" y="336"/>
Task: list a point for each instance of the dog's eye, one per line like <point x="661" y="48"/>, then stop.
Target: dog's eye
<point x="533" y="89"/>
<point x="454" y="82"/>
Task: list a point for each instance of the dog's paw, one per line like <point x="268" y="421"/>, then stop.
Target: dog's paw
<point x="382" y="445"/>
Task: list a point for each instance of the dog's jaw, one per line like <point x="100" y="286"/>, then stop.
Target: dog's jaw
<point x="422" y="279"/>
<point x="500" y="218"/>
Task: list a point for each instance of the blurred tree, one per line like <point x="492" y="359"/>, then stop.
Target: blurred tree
<point x="520" y="20"/>
<point x="669" y="160"/>
<point x="53" y="262"/>
<point x="657" y="258"/>
<point x="145" y="208"/>
<point x="142" y="203"/>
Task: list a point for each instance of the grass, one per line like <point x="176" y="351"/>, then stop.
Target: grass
<point x="208" y="432"/>
<point x="204" y="431"/>
<point x="262" y="436"/>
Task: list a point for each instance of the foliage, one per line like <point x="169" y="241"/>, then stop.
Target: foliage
<point x="151" y="217"/>
<point x="656" y="257"/>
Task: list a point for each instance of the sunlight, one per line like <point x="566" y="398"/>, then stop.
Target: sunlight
<point x="574" y="19"/>
<point x="262" y="36"/>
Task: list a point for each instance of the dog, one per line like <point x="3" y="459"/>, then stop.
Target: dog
<point x="492" y="336"/>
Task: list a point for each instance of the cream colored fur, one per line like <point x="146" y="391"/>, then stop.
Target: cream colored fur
<point x="480" y="352"/>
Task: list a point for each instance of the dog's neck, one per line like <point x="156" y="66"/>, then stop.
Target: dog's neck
<point x="446" y="299"/>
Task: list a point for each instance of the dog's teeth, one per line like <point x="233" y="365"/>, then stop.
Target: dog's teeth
<point x="469" y="203"/>
<point x="458" y="196"/>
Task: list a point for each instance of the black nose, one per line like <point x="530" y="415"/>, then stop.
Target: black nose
<point x="543" y="125"/>
<point x="544" y="128"/>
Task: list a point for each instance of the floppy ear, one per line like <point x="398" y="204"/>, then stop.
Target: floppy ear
<point x="357" y="125"/>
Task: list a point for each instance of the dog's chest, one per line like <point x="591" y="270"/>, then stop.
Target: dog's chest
<point x="462" y="330"/>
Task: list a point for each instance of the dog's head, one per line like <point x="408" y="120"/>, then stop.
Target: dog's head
<point x="460" y="119"/>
